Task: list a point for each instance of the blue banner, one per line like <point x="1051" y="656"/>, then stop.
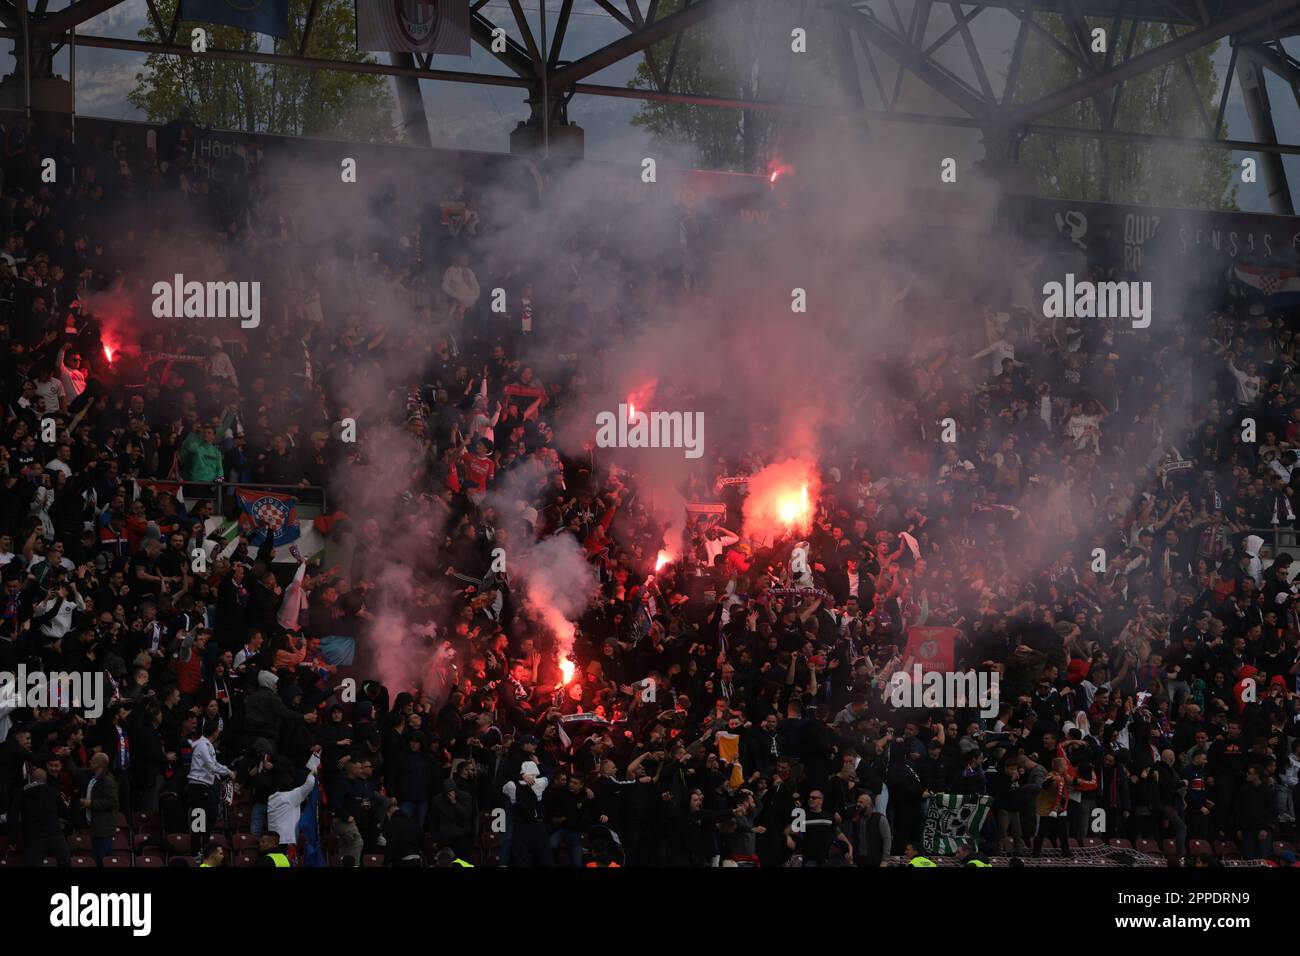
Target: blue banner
<point x="257" y="16"/>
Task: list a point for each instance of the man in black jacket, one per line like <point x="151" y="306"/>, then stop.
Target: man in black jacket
<point x="37" y="815"/>
<point x="1256" y="811"/>
<point x="403" y="839"/>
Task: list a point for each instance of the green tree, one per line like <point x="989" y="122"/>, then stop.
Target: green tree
<point x="1158" y="101"/>
<point x="715" y="57"/>
<point x="255" y="97"/>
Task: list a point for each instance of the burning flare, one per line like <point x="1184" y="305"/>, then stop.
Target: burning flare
<point x="781" y="500"/>
<point x="663" y="558"/>
<point x="566" y="669"/>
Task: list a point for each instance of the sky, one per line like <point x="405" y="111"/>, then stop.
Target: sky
<point x="481" y="117"/>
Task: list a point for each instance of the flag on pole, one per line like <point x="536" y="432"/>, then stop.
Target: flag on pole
<point x="413" y="26"/>
<point x="260" y="511"/>
<point x="256" y="16"/>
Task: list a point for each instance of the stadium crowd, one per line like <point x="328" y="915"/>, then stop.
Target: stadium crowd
<point x="1089" y="533"/>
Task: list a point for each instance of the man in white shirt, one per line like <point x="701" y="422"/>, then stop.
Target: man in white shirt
<point x="717" y="540"/>
<point x="51" y="389"/>
<point x="284" y="807"/>
<point x="201" y="791"/>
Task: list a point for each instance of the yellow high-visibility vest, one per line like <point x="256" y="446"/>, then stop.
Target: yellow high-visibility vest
<point x="279" y="859"/>
<point x="922" y="861"/>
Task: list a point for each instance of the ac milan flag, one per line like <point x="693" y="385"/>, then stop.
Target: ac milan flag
<point x="413" y="26"/>
<point x="263" y="511"/>
<point x="932" y="648"/>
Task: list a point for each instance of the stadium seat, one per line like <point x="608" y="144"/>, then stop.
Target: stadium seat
<point x="147" y="820"/>
<point x="84" y="862"/>
<point x="79" y="842"/>
<point x="179" y="843"/>
<point x="372" y="859"/>
<point x="1090" y="842"/>
<point x="1199" y="847"/>
<point x="123" y="822"/>
<point x="245" y="858"/>
<point x="1148" y="846"/>
<point x="1122" y="843"/>
<point x="11" y="859"/>
<point x="1282" y="846"/>
<point x="1226" y="850"/>
<point x="241" y="817"/>
<point x="150" y="861"/>
<point x="150" y="840"/>
<point x="122" y="841"/>
<point x="244" y="841"/>
<point x="1169" y="846"/>
<point x="219" y="839"/>
<point x="117" y="862"/>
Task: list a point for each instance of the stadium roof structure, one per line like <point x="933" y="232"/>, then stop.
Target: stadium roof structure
<point x="967" y="77"/>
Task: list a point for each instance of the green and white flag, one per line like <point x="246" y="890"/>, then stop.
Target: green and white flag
<point x="952" y="820"/>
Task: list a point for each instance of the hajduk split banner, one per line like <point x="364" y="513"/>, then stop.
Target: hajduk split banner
<point x="952" y="820"/>
<point x="413" y="26"/>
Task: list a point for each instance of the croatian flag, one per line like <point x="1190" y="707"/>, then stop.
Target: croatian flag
<point x="1269" y="282"/>
<point x="263" y="510"/>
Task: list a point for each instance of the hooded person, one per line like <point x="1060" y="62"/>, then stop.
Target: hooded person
<point x="264" y="711"/>
<point x="1255" y="567"/>
<point x="454" y="815"/>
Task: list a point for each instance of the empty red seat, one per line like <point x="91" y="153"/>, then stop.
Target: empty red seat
<point x="372" y="859"/>
<point x="179" y="843"/>
<point x="1148" y="846"/>
<point x="116" y="861"/>
<point x="246" y="858"/>
<point x="148" y="860"/>
<point x="1226" y="850"/>
<point x="1121" y="843"/>
<point x="84" y="862"/>
<point x="244" y="841"/>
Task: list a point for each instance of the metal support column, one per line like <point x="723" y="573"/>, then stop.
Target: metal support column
<point x="1254" y="91"/>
